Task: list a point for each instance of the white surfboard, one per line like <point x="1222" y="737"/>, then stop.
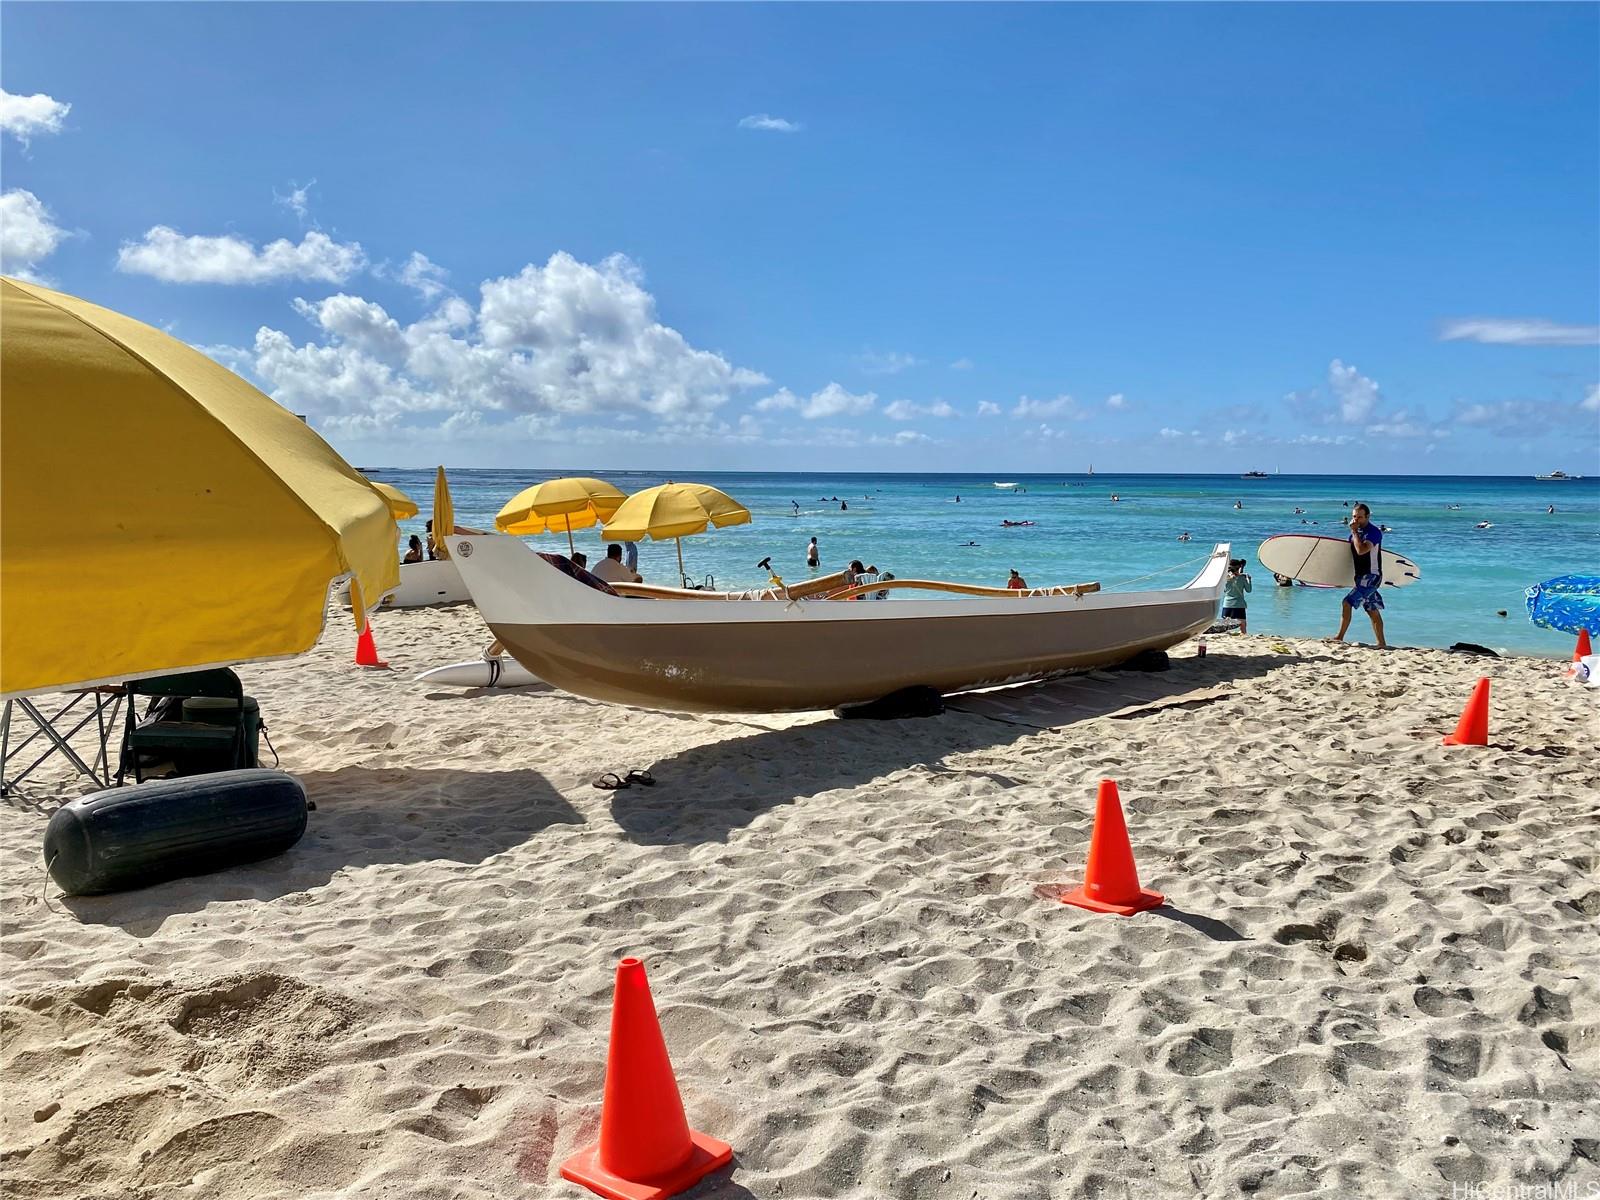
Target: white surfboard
<point x="1325" y="561"/>
<point x="501" y="672"/>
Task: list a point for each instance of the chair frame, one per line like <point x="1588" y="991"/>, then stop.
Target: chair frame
<point x="219" y="682"/>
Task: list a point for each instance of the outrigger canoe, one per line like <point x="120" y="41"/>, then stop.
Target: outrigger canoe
<point x="769" y="651"/>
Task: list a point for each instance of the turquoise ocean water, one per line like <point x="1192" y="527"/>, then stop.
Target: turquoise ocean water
<point x="912" y="525"/>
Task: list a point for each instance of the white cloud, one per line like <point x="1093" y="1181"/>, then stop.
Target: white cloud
<point x="1357" y="395"/>
<point x="25" y="117"/>
<point x="1117" y="400"/>
<point x="28" y="233"/>
<point x="1061" y="406"/>
<point x="168" y="255"/>
<point x="297" y="200"/>
<point x="425" y="276"/>
<point x="770" y="123"/>
<point x="1408" y="425"/>
<point x="1525" y="418"/>
<point x="988" y="408"/>
<point x="1518" y="331"/>
<point x="567" y="338"/>
<point x="1591" y="399"/>
<point x="905" y="410"/>
<point x="891" y="363"/>
<point x="1174" y="434"/>
<point x="961" y="364"/>
<point x="831" y="401"/>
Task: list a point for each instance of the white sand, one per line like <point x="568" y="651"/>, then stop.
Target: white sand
<point x="1378" y="976"/>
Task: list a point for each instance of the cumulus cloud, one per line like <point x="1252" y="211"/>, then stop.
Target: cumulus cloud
<point x="423" y="275"/>
<point x="25" y="117"/>
<point x="1061" y="406"/>
<point x="164" y="253"/>
<point x="564" y="339"/>
<point x="1355" y="393"/>
<point x="831" y="401"/>
<point x="906" y="410"/>
<point x="1117" y="400"/>
<point x="1591" y="399"/>
<point x="890" y="363"/>
<point x="1518" y="331"/>
<point x="988" y="408"/>
<point x="28" y="233"/>
<point x="297" y="199"/>
<point x="769" y="123"/>
<point x="1407" y="425"/>
<point x="961" y="364"/>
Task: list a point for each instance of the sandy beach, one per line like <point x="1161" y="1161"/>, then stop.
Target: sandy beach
<point x="1375" y="976"/>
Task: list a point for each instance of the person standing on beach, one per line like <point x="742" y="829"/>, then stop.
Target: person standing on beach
<point x="1366" y="552"/>
<point x="813" y="555"/>
<point x="1233" y="590"/>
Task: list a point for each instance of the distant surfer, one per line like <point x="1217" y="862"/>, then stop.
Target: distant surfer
<point x="796" y="504"/>
<point x="1366" y="554"/>
<point x="844" y="506"/>
<point x="1551" y="511"/>
<point x="1238" y="503"/>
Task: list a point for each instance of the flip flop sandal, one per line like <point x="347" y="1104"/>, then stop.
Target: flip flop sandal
<point x="611" y="782"/>
<point x="641" y="777"/>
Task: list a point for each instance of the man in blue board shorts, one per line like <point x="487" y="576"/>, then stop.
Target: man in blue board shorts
<point x="1366" y="541"/>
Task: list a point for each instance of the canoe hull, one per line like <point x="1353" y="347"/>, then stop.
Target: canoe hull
<point x="769" y="656"/>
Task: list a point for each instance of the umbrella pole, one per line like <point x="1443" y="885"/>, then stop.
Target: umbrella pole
<point x="681" y="575"/>
<point x="571" y="549"/>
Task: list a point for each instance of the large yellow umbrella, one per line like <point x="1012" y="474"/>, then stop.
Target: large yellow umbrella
<point x="401" y="505"/>
<point x="444" y="516"/>
<point x="559" y="505"/>
<point x="157" y="513"/>
<point x="674" y="510"/>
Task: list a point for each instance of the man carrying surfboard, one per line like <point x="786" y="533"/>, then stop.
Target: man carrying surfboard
<point x="1365" y="542"/>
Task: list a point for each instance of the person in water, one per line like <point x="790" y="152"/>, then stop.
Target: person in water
<point x="1233" y="590"/>
<point x="813" y="555"/>
<point x="844" y="506"/>
<point x="413" y="550"/>
<point x="1366" y="554"/>
<point x="1016" y="582"/>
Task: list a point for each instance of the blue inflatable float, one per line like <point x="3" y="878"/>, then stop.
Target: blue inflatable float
<point x="1567" y="602"/>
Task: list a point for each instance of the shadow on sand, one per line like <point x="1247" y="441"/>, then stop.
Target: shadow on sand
<point x="364" y="817"/>
<point x="771" y="768"/>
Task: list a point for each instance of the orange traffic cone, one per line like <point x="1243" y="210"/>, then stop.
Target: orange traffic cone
<point x="1111" y="882"/>
<point x="1584" y="649"/>
<point x="367" y="650"/>
<point x="646" y="1148"/>
<point x="1473" y="728"/>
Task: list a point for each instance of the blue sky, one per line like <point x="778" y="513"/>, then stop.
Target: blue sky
<point x="895" y="237"/>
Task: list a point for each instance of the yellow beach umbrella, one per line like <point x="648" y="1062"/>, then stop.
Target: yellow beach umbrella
<point x="674" y="510"/>
<point x="401" y="505"/>
<point x="444" y="516"/>
<point x="559" y="505"/>
<point x="157" y="513"/>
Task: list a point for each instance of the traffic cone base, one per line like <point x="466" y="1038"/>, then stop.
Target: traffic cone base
<point x="367" y="650"/>
<point x="1080" y="898"/>
<point x="707" y="1154"/>
<point x="1111" y="880"/>
<point x="1473" y="728"/>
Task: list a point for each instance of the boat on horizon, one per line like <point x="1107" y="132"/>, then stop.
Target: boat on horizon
<point x="779" y="651"/>
<point x="1557" y="477"/>
<point x="1255" y="475"/>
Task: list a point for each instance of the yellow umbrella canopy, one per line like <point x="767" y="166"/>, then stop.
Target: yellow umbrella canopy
<point x="401" y="505"/>
<point x="559" y="505"/>
<point x="674" y="510"/>
<point x="157" y="513"/>
<point x="444" y="516"/>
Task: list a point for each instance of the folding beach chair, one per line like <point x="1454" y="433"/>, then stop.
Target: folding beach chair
<point x="193" y="747"/>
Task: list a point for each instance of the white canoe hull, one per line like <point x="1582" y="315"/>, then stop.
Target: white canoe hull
<point x="776" y="655"/>
<point x="422" y="584"/>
